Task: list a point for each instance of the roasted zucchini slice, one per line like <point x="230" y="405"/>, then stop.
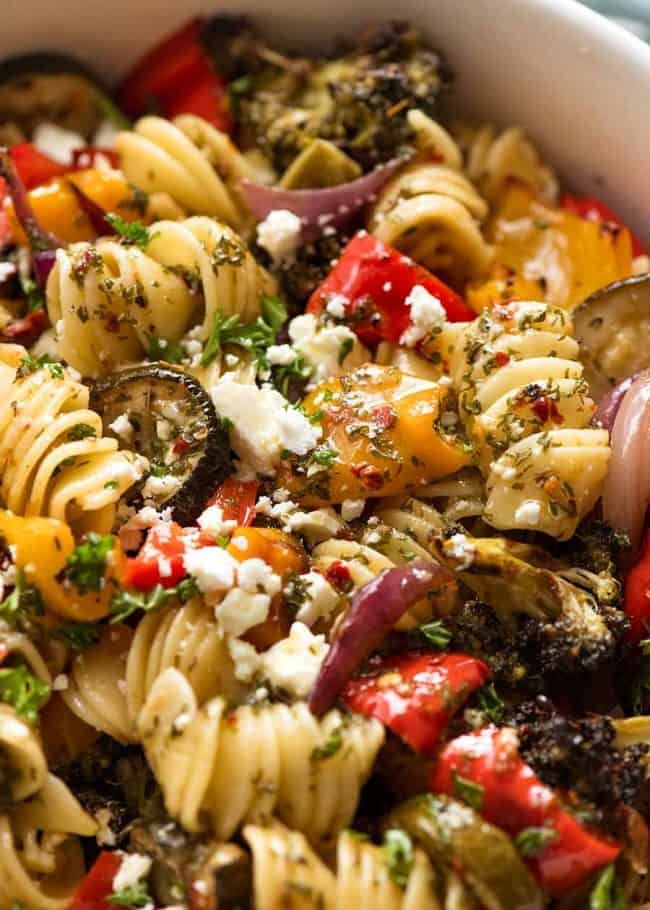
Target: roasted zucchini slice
<point x="53" y="88"/>
<point x="167" y="416"/>
<point x="613" y="327"/>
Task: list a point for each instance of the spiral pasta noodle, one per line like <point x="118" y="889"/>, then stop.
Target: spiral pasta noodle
<point x="433" y="214"/>
<point x="287" y="873"/>
<point x="47" y="466"/>
<point x="196" y="164"/>
<point x="249" y="764"/>
<point x="187" y="638"/>
<point x="108" y="300"/>
<point x="526" y="407"/>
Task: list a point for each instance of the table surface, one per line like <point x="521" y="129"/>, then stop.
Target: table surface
<point x="631" y="14"/>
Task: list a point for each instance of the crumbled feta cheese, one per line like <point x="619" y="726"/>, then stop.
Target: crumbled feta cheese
<point x="316" y="526"/>
<point x="352" y="508"/>
<point x="336" y="306"/>
<point x="245" y="659"/>
<point x="212" y="568"/>
<point x="257" y="576"/>
<point x="105" y="134"/>
<point x="280" y="354"/>
<point x="160" y="487"/>
<point x="57" y="142"/>
<point x="458" y="547"/>
<point x="133" y="868"/>
<point x="211" y="521"/>
<point x="320" y="598"/>
<point x="60" y="683"/>
<point x="231" y="360"/>
<point x="281" y="495"/>
<point x="387" y="287"/>
<point x="326" y="348"/>
<point x="122" y="427"/>
<point x="293" y="663"/>
<point x="263" y="423"/>
<point x="427" y="315"/>
<point x="241" y="543"/>
<point x="529" y="513"/>
<point x="240" y="610"/>
<point x="279" y="234"/>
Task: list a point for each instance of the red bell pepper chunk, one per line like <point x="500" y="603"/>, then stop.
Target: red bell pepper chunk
<point x="160" y="560"/>
<point x="514" y="798"/>
<point x="177" y="77"/>
<point x="236" y="499"/>
<point x="35" y="168"/>
<point x="94" y="891"/>
<point x="375" y="281"/>
<point x="416" y="695"/>
<point x="26" y="329"/>
<point x="637" y="595"/>
<point x="592" y="209"/>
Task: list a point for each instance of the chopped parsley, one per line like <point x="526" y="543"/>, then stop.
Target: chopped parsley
<point x="324" y="456"/>
<point x="86" y="566"/>
<point x="296" y="371"/>
<point x="81" y="431"/>
<point x="490" y="703"/>
<point x="254" y="337"/>
<point x="78" y="635"/>
<point x="133" y="233"/>
<point x="134" y="896"/>
<point x="126" y="603"/>
<point x="532" y="841"/>
<point x="30" y="364"/>
<point x="467" y="791"/>
<point x="111" y="485"/>
<point x="162" y="349"/>
<point x="346" y="347"/>
<point x="398" y="851"/>
<point x="24" y="601"/>
<point x="330" y="747"/>
<point x="34" y="293"/>
<point x="607" y="893"/>
<point x="437" y="634"/>
<point x="22" y="690"/>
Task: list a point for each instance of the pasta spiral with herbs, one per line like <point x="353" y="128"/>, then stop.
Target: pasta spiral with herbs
<point x="108" y="301"/>
<point x="287" y="872"/>
<point x="243" y="766"/>
<point x="53" y="456"/>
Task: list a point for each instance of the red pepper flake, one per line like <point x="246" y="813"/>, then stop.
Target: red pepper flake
<point x="502" y="358"/>
<point x="369" y="475"/>
<point x="339" y="577"/>
<point x="180" y="446"/>
<point x="546" y="409"/>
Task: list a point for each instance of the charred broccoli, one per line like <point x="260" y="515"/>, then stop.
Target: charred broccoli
<point x="580" y="755"/>
<point x="358" y="101"/>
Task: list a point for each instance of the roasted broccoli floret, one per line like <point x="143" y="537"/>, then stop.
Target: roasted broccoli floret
<point x="313" y="262"/>
<point x="580" y="756"/>
<point x="359" y="101"/>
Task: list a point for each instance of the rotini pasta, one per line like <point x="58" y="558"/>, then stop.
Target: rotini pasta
<point x="109" y="300"/>
<point x="527" y="409"/>
<point x="53" y="457"/>
<point x="196" y="164"/>
<point x="251" y="763"/>
<point x="287" y="873"/>
<point x="433" y="214"/>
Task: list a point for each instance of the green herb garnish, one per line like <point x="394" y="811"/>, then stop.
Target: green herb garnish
<point x="78" y="635"/>
<point x="398" y="850"/>
<point x="255" y="337"/>
<point x="162" y="349"/>
<point x="30" y="364"/>
<point x="24" y="601"/>
<point x="607" y="893"/>
<point x="126" y="603"/>
<point x="81" y="431"/>
<point x="490" y="703"/>
<point x="330" y="747"/>
<point x="437" y="634"/>
<point x="532" y="841"/>
<point x="133" y="233"/>
<point x="134" y="896"/>
<point x="22" y="690"/>
<point x="86" y="566"/>
<point x="467" y="791"/>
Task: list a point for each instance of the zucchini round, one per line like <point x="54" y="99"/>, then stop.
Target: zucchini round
<point x="53" y="88"/>
<point x="173" y="423"/>
<point x="455" y="836"/>
<point x="612" y="327"/>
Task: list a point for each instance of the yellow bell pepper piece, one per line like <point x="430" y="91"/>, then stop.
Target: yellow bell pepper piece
<point x="57" y="207"/>
<point x="42" y="549"/>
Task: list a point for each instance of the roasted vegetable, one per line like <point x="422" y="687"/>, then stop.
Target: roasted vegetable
<point x="609" y="326"/>
<point x="167" y="416"/>
<point x="455" y="836"/>
<point x="53" y="88"/>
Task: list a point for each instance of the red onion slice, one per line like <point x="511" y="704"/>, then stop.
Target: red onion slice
<point x="39" y="239"/>
<point x="373" y="611"/>
<point x="627" y="488"/>
<point x="43" y="263"/>
<point x="610" y="404"/>
<point x="320" y="208"/>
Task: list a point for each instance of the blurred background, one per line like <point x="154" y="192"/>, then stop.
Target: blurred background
<point x="631" y="14"/>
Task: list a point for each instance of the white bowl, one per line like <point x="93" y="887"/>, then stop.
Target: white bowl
<point x="579" y="84"/>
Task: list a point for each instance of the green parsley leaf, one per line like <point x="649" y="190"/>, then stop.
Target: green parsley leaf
<point x="330" y="747"/>
<point x="237" y="89"/>
<point x="325" y="456"/>
<point x="81" y="431"/>
<point x="607" y="893"/>
<point x="24" y="601"/>
<point x="467" y="791"/>
<point x="437" y="634"/>
<point x="254" y="337"/>
<point x="274" y="312"/>
<point x="134" y="233"/>
<point x="78" y="635"/>
<point x="298" y="370"/>
<point x="33" y="292"/>
<point x="126" y="603"/>
<point x="398" y="851"/>
<point x="532" y="841"/>
<point x="111" y="485"/>
<point x="30" y="364"/>
<point x="162" y="349"/>
<point x="490" y="703"/>
<point x="22" y="690"/>
<point x="134" y="896"/>
<point x="346" y="347"/>
<point x="86" y="564"/>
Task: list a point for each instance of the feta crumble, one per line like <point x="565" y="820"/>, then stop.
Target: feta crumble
<point x="211" y="521"/>
<point x="57" y="142"/>
<point x="461" y="549"/>
<point x="352" y="508"/>
<point x="212" y="568"/>
<point x="280" y="354"/>
<point x="122" y="427"/>
<point x="320" y="598"/>
<point x="293" y="663"/>
<point x="279" y="234"/>
<point x="427" y="315"/>
<point x="328" y="349"/>
<point x="336" y="306"/>
<point x="133" y="868"/>
<point x="240" y="610"/>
